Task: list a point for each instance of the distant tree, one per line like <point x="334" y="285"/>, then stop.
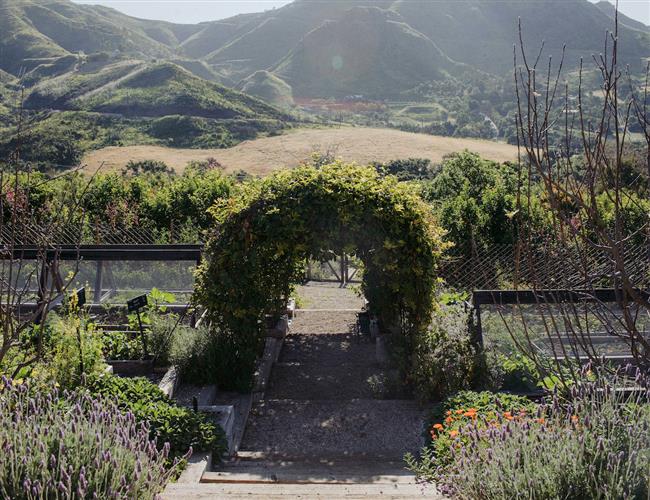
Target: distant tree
<point x="474" y="199"/>
<point x="407" y="170"/>
<point x="147" y="167"/>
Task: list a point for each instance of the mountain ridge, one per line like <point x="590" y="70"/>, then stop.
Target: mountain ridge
<point x="472" y="33"/>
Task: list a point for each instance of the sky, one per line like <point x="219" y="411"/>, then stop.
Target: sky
<point x="195" y="11"/>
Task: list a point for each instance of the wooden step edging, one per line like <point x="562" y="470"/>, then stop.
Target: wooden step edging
<point x="273" y="345"/>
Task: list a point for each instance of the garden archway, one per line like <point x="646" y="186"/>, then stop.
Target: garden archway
<point x="267" y="229"/>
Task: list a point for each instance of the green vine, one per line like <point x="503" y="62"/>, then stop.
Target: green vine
<point x="268" y="228"/>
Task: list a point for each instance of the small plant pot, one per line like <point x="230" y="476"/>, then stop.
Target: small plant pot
<point x="364" y="323"/>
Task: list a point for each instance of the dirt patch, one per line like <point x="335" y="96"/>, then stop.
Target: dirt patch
<point x="262" y="156"/>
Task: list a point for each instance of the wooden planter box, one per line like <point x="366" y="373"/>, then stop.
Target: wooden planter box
<point x="131" y="368"/>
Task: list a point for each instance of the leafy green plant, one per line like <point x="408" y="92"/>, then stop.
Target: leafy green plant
<point x="75" y="348"/>
<point x="147" y="167"/>
<point x="519" y="374"/>
<point x="121" y="345"/>
<point x="447" y="359"/>
<point x="181" y="427"/>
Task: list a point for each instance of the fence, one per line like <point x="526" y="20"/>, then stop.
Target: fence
<point x="502" y="266"/>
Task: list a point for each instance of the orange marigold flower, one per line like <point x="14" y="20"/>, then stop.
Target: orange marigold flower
<point x="541" y="420"/>
<point x="574" y="419"/>
<point x="507" y="414"/>
<point x="453" y="434"/>
<point x="460" y="411"/>
<point x="448" y="412"/>
<point x="449" y="420"/>
<point x="469" y="413"/>
<point x="438" y="427"/>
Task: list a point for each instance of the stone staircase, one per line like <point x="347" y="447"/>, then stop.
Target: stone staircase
<point x="322" y="429"/>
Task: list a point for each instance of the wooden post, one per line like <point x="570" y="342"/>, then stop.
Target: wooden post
<point x="479" y="327"/>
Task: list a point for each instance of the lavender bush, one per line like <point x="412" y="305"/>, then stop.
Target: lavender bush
<point x="68" y="445"/>
<point x="595" y="445"/>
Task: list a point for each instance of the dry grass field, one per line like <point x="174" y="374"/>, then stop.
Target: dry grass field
<point x="262" y="156"/>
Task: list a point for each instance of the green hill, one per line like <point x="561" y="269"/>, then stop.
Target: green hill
<point x="610" y="10"/>
<point x="370" y="52"/>
<point x="36" y="30"/>
<point x="269" y="88"/>
<point x="140" y="88"/>
<point x="8" y="95"/>
<point x="481" y="34"/>
<point x="407" y="41"/>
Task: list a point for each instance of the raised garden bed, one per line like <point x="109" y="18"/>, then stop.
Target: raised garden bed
<point x="612" y="348"/>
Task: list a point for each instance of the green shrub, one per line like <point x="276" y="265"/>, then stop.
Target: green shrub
<point x="155" y="167"/>
<point x="181" y="427"/>
<point x="121" y="345"/>
<point x="519" y="374"/>
<point x="407" y="170"/>
<point x="73" y="446"/>
<point x="447" y="359"/>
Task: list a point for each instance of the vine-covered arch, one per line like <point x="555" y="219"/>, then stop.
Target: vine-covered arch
<point x="267" y="229"/>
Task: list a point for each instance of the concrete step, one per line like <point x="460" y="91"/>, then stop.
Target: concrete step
<point x="323" y="428"/>
<point x="327" y="349"/>
<point x="301" y="491"/>
<point x="344" y="381"/>
<point x="339" y="470"/>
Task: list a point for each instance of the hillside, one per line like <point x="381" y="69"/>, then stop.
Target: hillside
<point x="609" y="9"/>
<point x="380" y="47"/>
<point x="481" y="34"/>
<point x="370" y="51"/>
<point x="475" y="33"/>
<point x="269" y="88"/>
<point x="7" y="94"/>
<point x="133" y="102"/>
<point x="139" y="88"/>
<point x="36" y="31"/>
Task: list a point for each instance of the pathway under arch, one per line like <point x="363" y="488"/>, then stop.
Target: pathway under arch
<point x="331" y="415"/>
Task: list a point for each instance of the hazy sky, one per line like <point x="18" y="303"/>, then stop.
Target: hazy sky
<point x="194" y="11"/>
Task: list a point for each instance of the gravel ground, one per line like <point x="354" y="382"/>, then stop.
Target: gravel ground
<point x="359" y="428"/>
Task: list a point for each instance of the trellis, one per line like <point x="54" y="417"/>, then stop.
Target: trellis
<point x="504" y="266"/>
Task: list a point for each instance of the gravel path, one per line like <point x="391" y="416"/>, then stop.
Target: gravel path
<point x="324" y="397"/>
<point x="316" y="295"/>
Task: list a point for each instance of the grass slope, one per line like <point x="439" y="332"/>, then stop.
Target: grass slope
<point x="31" y="31"/>
<point x="8" y="96"/>
<point x="139" y="88"/>
<point x="610" y="10"/>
